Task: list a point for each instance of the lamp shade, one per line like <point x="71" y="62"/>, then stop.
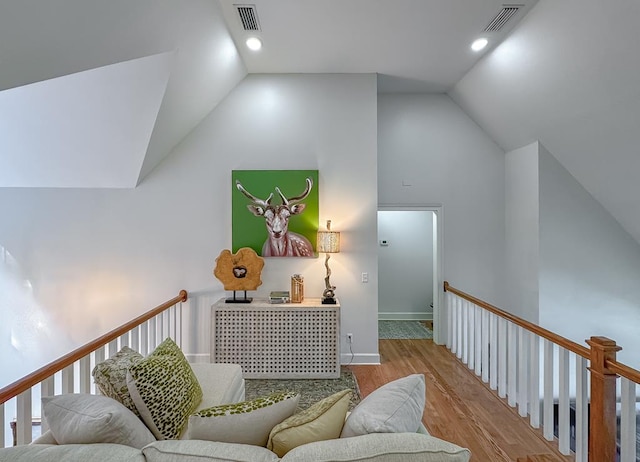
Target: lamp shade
<point x="328" y="241"/>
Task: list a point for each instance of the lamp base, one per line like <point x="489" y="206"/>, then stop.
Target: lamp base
<point x="328" y="301"/>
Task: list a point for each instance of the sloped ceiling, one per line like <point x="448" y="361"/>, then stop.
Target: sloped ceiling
<point x="59" y="69"/>
<point x="89" y="129"/>
<point x="568" y="76"/>
<point x="414" y="45"/>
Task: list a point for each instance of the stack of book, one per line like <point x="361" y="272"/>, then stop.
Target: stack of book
<point x="279" y="296"/>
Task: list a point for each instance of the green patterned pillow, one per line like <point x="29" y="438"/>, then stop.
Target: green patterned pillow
<point x="165" y="391"/>
<point x="110" y="376"/>
<point x="322" y="421"/>
<point x="248" y="422"/>
<point x="168" y="348"/>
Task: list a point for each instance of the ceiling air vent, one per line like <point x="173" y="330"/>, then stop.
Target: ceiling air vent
<point x="507" y="12"/>
<point x="248" y="17"/>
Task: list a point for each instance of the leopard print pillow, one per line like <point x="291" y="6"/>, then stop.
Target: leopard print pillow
<point x="165" y="391"/>
<point x="248" y="422"/>
<point x="110" y="376"/>
<point x="169" y="348"/>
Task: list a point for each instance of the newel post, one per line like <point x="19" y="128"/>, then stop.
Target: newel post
<point x="602" y="414"/>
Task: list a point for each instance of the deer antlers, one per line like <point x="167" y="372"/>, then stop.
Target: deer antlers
<point x="266" y="203"/>
<point x="254" y="199"/>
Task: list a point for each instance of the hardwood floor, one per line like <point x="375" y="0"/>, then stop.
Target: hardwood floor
<point x="459" y="407"/>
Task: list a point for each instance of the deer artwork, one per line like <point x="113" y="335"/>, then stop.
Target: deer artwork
<point x="280" y="241"/>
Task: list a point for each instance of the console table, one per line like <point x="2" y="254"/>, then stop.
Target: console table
<point x="287" y="340"/>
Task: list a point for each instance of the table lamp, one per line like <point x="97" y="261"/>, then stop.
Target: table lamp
<point x="328" y="242"/>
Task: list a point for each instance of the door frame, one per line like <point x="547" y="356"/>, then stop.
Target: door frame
<point x="439" y="318"/>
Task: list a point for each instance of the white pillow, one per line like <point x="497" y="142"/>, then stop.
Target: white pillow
<point x="205" y="451"/>
<point x="382" y="447"/>
<point x="248" y="422"/>
<point x="393" y="408"/>
<point x="87" y="419"/>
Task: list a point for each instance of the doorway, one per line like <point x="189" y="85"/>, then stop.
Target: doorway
<point x="409" y="265"/>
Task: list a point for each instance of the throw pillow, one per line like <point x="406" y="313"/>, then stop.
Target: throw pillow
<point x="381" y="447"/>
<point x="205" y="451"/>
<point x="165" y="391"/>
<point x="248" y="422"/>
<point x="322" y="421"/>
<point x="110" y="376"/>
<point x="168" y="348"/>
<point x="393" y="408"/>
<point x="87" y="419"/>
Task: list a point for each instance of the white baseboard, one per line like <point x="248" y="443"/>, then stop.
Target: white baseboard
<point x="360" y="359"/>
<point x="198" y="357"/>
<point x="407" y="316"/>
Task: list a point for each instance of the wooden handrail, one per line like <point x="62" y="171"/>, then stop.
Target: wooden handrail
<point x="541" y="331"/>
<point x="623" y="370"/>
<point x="29" y="381"/>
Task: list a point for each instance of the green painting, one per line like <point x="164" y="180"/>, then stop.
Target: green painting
<point x="275" y="212"/>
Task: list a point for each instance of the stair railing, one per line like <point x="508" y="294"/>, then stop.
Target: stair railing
<point x="515" y="357"/>
<point x="72" y="373"/>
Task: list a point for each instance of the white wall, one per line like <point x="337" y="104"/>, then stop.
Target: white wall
<point x="405" y="265"/>
<point x="97" y="258"/>
<point x="522" y="225"/>
<point x="589" y="266"/>
<point x="428" y="143"/>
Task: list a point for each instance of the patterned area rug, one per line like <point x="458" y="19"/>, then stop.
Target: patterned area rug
<point x="311" y="390"/>
<point x="403" y="330"/>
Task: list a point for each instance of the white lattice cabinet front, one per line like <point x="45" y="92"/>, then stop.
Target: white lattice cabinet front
<point x="292" y="340"/>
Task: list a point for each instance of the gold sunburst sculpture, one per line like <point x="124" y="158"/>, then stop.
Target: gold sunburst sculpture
<point x="240" y="270"/>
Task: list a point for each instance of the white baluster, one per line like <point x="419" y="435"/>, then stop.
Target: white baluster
<point x="144" y="338"/>
<point x="523" y="369"/>
<point x="548" y="400"/>
<point x="179" y="325"/>
<point x="502" y="358"/>
<point x="485" y="346"/>
<point x="99" y="354"/>
<point x="153" y="333"/>
<point x="628" y="421"/>
<point x="24" y="421"/>
<point x="460" y="314"/>
<point x="582" y="413"/>
<point x="471" y="336"/>
<point x="124" y="340"/>
<point x="493" y="351"/>
<point x="450" y="318"/>
<point x="85" y="374"/>
<point x="534" y="380"/>
<point x="46" y="389"/>
<point x="113" y="348"/>
<point x="2" y="426"/>
<point x="67" y="380"/>
<point x="512" y="364"/>
<point x="563" y="403"/>
<point x="162" y="325"/>
<point x="135" y="338"/>
<point x="478" y="335"/>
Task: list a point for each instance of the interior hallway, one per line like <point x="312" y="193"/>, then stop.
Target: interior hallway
<point x="459" y="407"/>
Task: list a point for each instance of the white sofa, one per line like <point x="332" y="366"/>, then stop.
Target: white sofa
<point x="223" y="383"/>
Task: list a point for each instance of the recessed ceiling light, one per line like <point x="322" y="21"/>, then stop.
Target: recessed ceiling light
<point x="254" y="43"/>
<point x="479" y="44"/>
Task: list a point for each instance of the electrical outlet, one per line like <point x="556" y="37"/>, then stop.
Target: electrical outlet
<point x="365" y="277"/>
<point x="349" y="337"/>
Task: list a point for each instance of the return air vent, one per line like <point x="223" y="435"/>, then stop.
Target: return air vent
<point x="248" y="17"/>
<point x="507" y="12"/>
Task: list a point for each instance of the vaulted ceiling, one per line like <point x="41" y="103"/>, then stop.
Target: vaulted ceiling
<point x="96" y="93"/>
